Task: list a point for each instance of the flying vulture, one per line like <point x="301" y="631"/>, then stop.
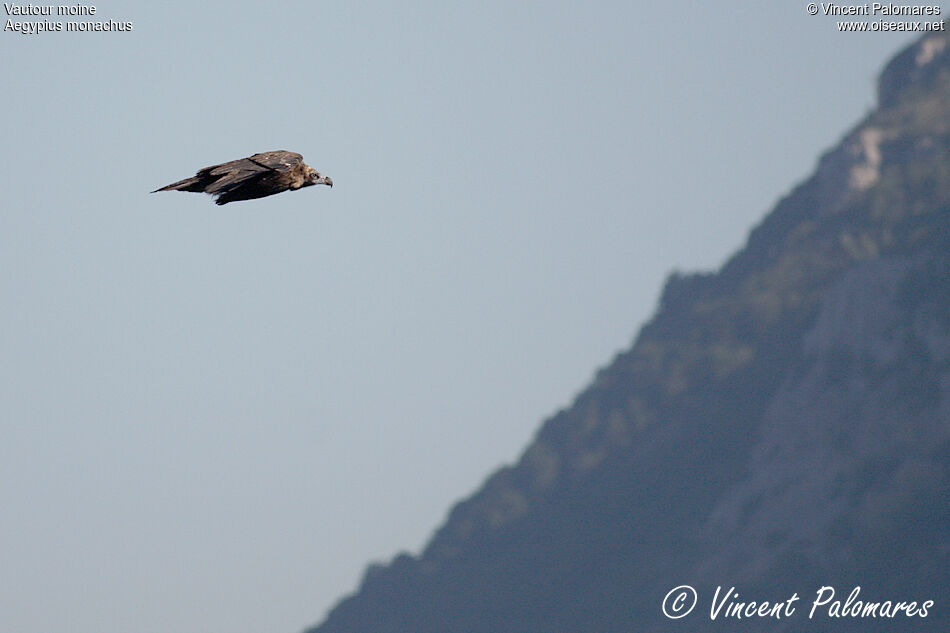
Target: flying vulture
<point x="257" y="176"/>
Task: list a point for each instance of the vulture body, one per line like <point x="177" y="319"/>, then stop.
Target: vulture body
<point x="256" y="176"/>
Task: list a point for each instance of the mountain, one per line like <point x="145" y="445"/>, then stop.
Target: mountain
<point x="778" y="426"/>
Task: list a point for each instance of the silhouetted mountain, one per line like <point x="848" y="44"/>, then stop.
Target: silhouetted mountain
<point x="778" y="426"/>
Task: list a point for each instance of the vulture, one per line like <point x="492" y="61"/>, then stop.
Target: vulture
<point x="256" y="176"/>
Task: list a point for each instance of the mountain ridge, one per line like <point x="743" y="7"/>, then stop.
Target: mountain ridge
<point x="755" y="432"/>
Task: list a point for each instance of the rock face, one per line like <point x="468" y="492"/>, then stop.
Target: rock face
<point x="778" y="426"/>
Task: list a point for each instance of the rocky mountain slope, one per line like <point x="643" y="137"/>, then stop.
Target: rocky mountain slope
<point x="778" y="426"/>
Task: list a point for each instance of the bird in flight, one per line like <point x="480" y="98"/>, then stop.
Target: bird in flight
<point x="256" y="176"/>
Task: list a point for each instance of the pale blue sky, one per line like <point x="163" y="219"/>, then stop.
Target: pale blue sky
<point x="214" y="417"/>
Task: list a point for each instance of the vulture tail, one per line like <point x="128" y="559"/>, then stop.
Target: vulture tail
<point x="194" y="183"/>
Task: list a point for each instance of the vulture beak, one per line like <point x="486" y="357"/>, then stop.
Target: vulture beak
<point x="325" y="180"/>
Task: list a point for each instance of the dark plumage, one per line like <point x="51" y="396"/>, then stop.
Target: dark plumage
<point x="257" y="176"/>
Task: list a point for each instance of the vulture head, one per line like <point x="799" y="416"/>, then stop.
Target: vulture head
<point x="314" y="177"/>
